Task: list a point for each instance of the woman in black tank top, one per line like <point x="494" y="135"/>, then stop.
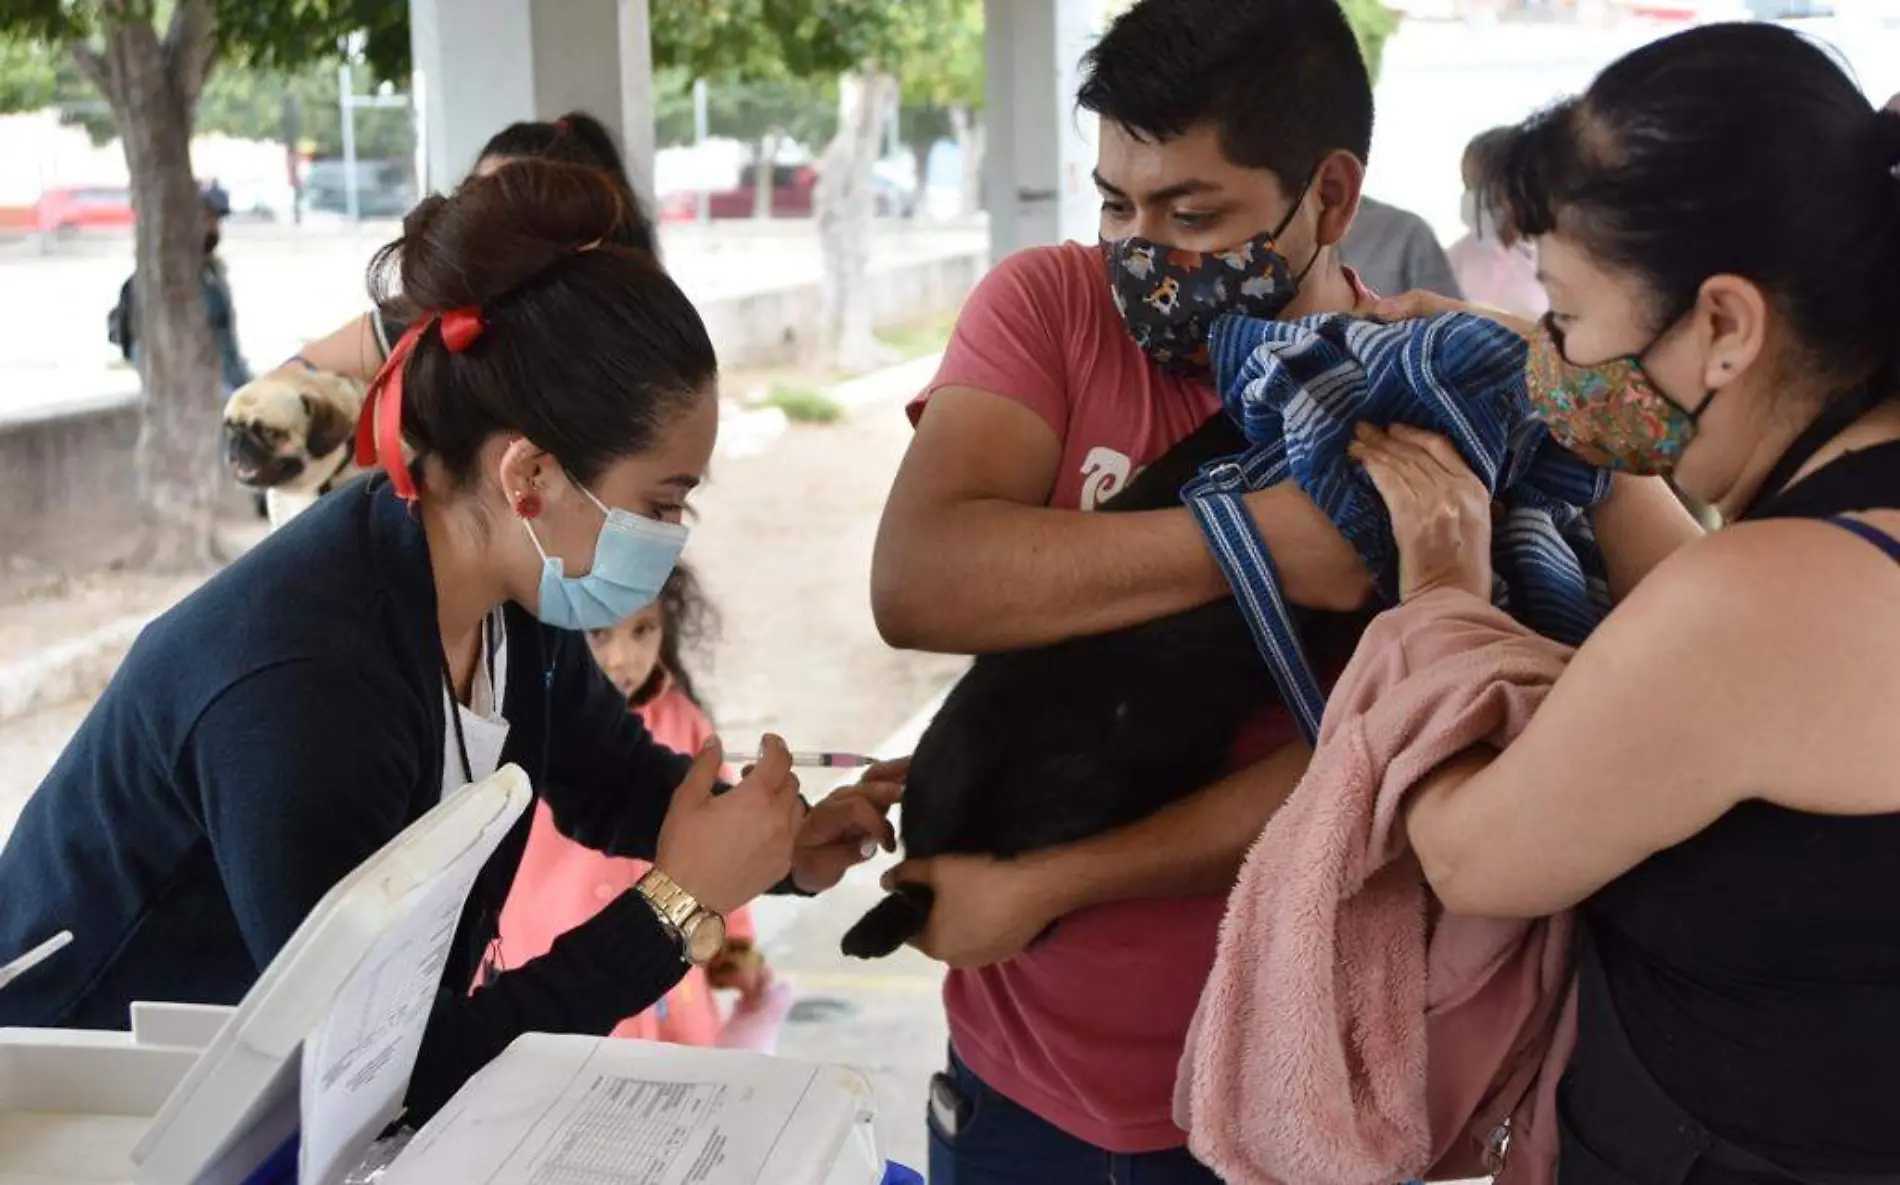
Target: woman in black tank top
<point x="1715" y="780"/>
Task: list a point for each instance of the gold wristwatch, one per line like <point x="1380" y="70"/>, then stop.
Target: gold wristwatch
<point x="701" y="932"/>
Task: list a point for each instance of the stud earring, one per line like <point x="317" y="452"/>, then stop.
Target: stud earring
<point x="527" y="504"/>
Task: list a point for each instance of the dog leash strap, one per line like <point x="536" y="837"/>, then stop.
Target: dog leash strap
<point x="1215" y="500"/>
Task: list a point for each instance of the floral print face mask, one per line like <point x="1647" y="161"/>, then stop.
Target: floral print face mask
<point x="1169" y="298"/>
<point x="1610" y="414"/>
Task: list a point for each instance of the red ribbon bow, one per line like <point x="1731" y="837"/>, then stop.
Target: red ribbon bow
<point x="379" y="427"/>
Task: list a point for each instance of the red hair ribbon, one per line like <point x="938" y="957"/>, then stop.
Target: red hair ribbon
<point x="379" y="427"/>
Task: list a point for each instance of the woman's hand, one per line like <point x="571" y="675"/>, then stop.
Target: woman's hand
<point x="727" y="849"/>
<point x="1441" y="512"/>
<point x="1418" y="303"/>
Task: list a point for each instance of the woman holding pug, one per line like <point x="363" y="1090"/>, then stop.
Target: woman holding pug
<point x="415" y="631"/>
<point x="357" y="348"/>
<point x="1712" y="781"/>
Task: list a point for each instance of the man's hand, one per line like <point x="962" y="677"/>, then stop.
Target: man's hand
<point x="1417" y="304"/>
<point x="986" y="910"/>
<point x="848" y="827"/>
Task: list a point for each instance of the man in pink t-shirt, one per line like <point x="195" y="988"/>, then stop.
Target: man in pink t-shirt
<point x="1233" y="141"/>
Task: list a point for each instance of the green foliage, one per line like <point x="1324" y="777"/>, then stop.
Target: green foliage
<point x="802" y="405"/>
<point x="244" y="102"/>
<point x="29" y="75"/>
<point x="1372" y="23"/>
<point x="765" y="40"/>
<point x="941" y="61"/>
<point x="761" y="40"/>
<point x="273" y="34"/>
<point x="249" y="103"/>
<point x="268" y="52"/>
<point x="804" y="109"/>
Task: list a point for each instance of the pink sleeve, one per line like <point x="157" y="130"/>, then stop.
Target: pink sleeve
<point x="1005" y="341"/>
<point x="739" y="924"/>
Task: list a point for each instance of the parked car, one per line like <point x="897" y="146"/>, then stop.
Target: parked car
<point x="67" y="211"/>
<point x="794" y="195"/>
<point x="383" y="188"/>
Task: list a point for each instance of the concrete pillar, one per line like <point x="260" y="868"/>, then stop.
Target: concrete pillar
<point x="483" y="64"/>
<point x="474" y="76"/>
<point x="1040" y="149"/>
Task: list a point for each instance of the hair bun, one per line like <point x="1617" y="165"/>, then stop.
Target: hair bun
<point x="497" y="232"/>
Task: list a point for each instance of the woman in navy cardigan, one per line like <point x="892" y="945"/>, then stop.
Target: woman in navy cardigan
<point x="293" y="715"/>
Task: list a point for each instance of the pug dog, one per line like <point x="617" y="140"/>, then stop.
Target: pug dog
<point x="293" y="436"/>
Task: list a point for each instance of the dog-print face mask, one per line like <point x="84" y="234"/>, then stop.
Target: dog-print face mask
<point x="1169" y="298"/>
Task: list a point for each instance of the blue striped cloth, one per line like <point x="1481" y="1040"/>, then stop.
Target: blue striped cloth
<point x="1298" y="388"/>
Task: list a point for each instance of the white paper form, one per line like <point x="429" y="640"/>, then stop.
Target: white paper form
<point x="356" y="1065"/>
<point x="585" y="1111"/>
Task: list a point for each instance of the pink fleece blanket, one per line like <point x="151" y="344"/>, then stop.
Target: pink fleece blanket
<point x="1349" y="1035"/>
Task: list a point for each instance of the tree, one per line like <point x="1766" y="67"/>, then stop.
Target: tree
<point x="943" y="95"/>
<point x="860" y="40"/>
<point x="1373" y="24"/>
<point x="765" y="114"/>
<point x="150" y="60"/>
<point x="248" y="104"/>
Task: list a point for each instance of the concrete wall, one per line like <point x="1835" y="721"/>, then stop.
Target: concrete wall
<point x="773" y="327"/>
<point x="71" y="495"/>
<point x="68" y="484"/>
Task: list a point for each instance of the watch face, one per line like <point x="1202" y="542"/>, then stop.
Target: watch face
<point x="705" y="938"/>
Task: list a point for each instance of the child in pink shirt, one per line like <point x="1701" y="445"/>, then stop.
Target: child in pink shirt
<point x="561" y="884"/>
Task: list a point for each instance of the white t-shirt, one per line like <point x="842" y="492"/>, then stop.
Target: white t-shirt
<point x="484" y="728"/>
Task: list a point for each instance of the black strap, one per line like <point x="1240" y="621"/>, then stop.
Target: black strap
<point x="455" y="705"/>
<point x="1834" y="419"/>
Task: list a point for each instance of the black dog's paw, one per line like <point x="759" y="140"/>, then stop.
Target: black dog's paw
<point x="890" y="923"/>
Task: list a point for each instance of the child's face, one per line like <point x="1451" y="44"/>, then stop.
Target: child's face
<point x="629" y="651"/>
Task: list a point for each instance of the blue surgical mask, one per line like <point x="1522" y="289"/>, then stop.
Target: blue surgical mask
<point x="633" y="556"/>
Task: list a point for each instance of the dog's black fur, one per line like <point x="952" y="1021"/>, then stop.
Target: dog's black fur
<point x="1047" y="746"/>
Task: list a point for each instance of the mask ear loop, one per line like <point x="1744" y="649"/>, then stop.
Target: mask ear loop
<point x="1293" y="211"/>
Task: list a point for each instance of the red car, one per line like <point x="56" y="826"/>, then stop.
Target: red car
<point x="794" y="192"/>
<point x="64" y="211"/>
<point x="792" y="187"/>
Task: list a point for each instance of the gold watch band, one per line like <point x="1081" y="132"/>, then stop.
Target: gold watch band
<point x="679" y="911"/>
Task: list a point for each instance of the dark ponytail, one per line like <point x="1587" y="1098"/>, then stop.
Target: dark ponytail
<point x="1730" y="149"/>
<point x="688" y="624"/>
<point x="576" y="138"/>
<point x="587" y="348"/>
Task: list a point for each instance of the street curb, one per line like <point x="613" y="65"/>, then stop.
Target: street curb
<point x="67" y="672"/>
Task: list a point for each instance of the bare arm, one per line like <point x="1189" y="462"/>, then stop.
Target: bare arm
<point x="987" y="910"/>
<point x="1743" y="668"/>
<point x="349" y="350"/>
<point x="1192" y="846"/>
<point x="970" y="560"/>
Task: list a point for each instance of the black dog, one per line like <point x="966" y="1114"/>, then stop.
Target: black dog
<point x="1047" y="746"/>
